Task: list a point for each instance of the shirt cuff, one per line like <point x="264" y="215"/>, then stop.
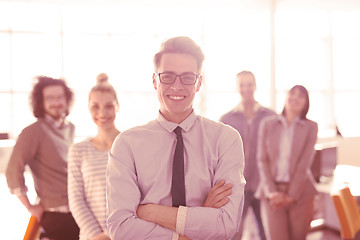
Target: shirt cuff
<point x="175" y="236"/>
<point x="181" y="219"/>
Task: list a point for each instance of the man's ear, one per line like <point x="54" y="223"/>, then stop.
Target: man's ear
<point x="199" y="82"/>
<point x="154" y="81"/>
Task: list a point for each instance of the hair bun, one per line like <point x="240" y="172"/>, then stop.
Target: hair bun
<point x="102" y="78"/>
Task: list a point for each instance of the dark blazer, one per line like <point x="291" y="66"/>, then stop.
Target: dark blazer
<point x="302" y="184"/>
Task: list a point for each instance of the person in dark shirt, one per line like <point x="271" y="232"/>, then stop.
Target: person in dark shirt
<point x="245" y="118"/>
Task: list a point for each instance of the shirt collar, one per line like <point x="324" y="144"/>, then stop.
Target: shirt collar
<point x="170" y="126"/>
<point x="56" y="123"/>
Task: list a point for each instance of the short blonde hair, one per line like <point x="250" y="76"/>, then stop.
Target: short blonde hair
<point x="180" y="44"/>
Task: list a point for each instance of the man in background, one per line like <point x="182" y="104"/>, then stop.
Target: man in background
<point x="245" y="118"/>
<point x="43" y="147"/>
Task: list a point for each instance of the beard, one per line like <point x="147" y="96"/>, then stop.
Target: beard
<point x="57" y="112"/>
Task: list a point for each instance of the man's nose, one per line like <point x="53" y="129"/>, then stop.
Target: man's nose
<point x="177" y="83"/>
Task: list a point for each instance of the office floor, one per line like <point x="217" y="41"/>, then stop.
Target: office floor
<point x="14" y="217"/>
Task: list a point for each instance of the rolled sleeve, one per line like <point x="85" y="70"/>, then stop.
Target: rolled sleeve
<point x="22" y="154"/>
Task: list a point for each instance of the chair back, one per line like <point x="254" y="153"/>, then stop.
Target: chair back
<point x="33" y="229"/>
<point x="348" y="213"/>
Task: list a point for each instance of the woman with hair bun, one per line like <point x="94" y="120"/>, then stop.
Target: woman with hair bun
<point x="87" y="164"/>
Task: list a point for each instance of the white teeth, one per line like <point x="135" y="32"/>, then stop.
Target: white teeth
<point x="176" y="97"/>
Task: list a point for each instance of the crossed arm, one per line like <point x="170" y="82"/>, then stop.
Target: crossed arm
<point x="210" y="219"/>
<point x="166" y="216"/>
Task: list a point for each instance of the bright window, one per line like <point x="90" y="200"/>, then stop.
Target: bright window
<point x="316" y="46"/>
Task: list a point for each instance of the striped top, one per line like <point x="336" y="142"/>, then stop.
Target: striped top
<point x="86" y="188"/>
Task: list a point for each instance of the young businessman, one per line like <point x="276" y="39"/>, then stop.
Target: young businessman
<point x="43" y="146"/>
<point x="142" y="184"/>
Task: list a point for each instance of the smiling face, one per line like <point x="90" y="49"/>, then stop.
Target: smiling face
<point x="176" y="99"/>
<point x="103" y="108"/>
<point x="55" y="103"/>
<point x="295" y="102"/>
<point x="246" y="87"/>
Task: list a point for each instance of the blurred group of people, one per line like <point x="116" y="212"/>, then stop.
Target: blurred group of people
<point x="279" y="150"/>
<point x="57" y="165"/>
<point x="180" y="176"/>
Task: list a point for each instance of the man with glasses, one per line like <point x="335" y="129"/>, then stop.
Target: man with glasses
<point x="43" y="147"/>
<point x="179" y="176"/>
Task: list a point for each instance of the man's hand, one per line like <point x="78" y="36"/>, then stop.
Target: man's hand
<point x="218" y="195"/>
<point x="181" y="237"/>
<point x="36" y="211"/>
<point x="143" y="212"/>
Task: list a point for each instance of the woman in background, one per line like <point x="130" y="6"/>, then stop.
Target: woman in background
<point x="87" y="164"/>
<point x="285" y="155"/>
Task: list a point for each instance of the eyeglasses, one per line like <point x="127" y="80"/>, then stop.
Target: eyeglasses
<point x="185" y="78"/>
<point x="52" y="98"/>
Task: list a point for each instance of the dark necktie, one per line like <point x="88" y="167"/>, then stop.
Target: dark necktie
<point x="178" y="180"/>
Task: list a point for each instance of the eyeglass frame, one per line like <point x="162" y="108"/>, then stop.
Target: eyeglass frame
<point x="179" y="75"/>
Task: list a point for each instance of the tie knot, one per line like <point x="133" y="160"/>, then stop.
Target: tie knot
<point x="178" y="131"/>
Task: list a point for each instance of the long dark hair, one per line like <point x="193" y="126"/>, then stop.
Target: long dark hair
<point x="305" y="92"/>
<point x="37" y="99"/>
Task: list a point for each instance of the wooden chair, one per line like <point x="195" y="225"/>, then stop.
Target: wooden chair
<point x="348" y="214"/>
<point x="33" y="229"/>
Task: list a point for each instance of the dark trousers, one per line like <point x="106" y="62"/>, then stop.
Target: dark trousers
<point x="251" y="201"/>
<point x="59" y="226"/>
